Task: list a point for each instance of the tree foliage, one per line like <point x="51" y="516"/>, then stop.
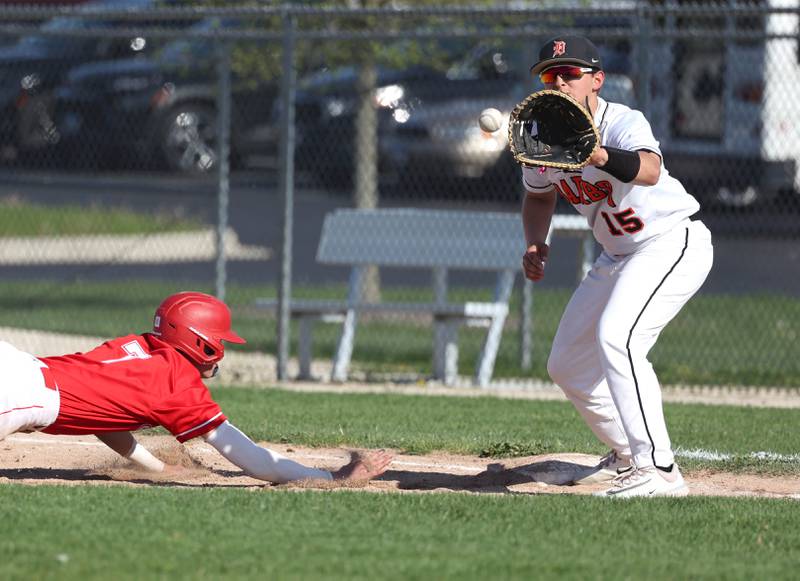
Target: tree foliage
<point x="261" y="60"/>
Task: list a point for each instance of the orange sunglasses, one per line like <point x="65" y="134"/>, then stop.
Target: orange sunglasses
<point x="566" y="72"/>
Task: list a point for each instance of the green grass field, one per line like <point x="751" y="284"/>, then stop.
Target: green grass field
<point x="24" y="219"/>
<point x="94" y="532"/>
<point x="114" y="533"/>
<point x="729" y="340"/>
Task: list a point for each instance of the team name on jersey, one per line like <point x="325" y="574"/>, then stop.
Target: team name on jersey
<point x="585" y="193"/>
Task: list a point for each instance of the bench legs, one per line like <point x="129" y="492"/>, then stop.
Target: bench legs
<point x="526" y="326"/>
<point x="445" y="350"/>
<point x="304" y="348"/>
<point x="446" y="328"/>
<point x="306" y="339"/>
<point x="488" y="356"/>
<point x="445" y="353"/>
<point x="344" y="350"/>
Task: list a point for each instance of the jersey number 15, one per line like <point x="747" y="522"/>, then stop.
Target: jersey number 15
<point x="625" y="219"/>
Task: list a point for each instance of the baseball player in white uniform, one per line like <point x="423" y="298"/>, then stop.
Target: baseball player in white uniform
<point x="654" y="259"/>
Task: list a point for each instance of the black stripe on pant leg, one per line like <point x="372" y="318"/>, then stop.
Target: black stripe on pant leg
<point x="628" y="345"/>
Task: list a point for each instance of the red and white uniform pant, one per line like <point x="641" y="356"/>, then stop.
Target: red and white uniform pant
<point x="29" y="398"/>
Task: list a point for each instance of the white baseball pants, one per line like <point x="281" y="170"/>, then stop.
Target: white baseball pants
<point x="29" y="400"/>
<point x="599" y="354"/>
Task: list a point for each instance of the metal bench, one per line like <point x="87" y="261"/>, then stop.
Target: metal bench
<point x="411" y="238"/>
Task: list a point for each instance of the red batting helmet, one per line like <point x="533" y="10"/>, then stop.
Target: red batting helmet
<point x="195" y="324"/>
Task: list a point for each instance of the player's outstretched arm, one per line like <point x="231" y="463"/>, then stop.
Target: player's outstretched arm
<point x="271" y="466"/>
<point x="256" y="461"/>
<point x="124" y="444"/>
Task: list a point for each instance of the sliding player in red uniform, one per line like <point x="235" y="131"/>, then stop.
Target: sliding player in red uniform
<point x="153" y="379"/>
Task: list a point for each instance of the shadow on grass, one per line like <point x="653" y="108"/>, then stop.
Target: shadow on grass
<point x="70" y="474"/>
<point x="122" y="476"/>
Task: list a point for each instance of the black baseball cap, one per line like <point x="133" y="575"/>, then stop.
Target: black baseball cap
<point x="568" y="50"/>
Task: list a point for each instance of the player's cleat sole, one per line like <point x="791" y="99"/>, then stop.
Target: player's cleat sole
<point x="647" y="482"/>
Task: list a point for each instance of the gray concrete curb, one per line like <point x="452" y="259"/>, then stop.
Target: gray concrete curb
<point x="193" y="246"/>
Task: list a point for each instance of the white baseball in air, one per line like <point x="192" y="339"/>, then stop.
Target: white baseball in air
<point x="490" y="120"/>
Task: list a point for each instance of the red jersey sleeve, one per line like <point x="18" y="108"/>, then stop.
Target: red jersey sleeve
<point x="188" y="412"/>
<point x="187" y="409"/>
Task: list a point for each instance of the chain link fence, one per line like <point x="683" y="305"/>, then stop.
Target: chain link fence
<point x="151" y="146"/>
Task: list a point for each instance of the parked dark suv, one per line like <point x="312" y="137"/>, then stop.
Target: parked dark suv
<point x="161" y="111"/>
<point x="31" y="68"/>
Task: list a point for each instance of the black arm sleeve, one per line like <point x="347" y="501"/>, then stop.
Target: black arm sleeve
<point x="622" y="164"/>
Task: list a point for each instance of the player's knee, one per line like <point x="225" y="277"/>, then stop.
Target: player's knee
<point x="611" y="338"/>
<point x="559" y="369"/>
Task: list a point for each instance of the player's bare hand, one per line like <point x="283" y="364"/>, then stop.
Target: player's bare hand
<point x="534" y="260"/>
<point x="365" y="466"/>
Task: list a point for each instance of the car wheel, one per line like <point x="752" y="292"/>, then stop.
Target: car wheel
<point x="189" y="139"/>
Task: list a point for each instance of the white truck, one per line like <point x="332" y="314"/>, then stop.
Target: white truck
<point x="725" y="106"/>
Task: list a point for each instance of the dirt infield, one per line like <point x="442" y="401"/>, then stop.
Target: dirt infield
<point x="37" y="459"/>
